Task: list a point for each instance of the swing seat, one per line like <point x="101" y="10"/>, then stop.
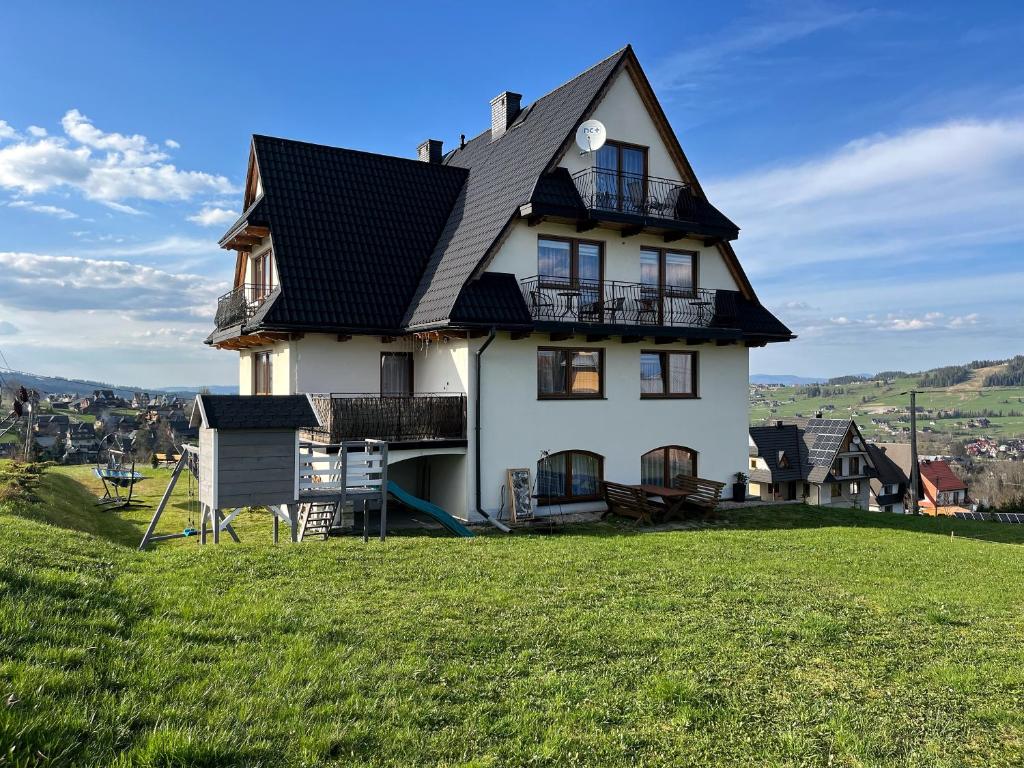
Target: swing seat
<point x="190" y="531"/>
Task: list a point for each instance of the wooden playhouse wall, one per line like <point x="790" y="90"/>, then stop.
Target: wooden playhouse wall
<point x="252" y="467"/>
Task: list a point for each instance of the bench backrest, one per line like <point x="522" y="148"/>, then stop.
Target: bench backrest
<point x="626" y="500"/>
<point x="699" y="490"/>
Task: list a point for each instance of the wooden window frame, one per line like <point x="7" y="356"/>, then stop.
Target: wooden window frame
<point x="567" y="497"/>
<point x="667" y="481"/>
<point x="409" y="363"/>
<point x="618" y="146"/>
<point x="694" y="378"/>
<point x="599" y="395"/>
<point x="574" y="261"/>
<point x="263" y="265"/>
<point x="267" y="356"/>
<point x="663" y="289"/>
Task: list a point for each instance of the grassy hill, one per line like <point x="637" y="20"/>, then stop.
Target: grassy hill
<point x="867" y="400"/>
<point x="783" y="636"/>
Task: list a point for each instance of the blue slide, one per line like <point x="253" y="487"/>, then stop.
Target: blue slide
<point x="432" y="510"/>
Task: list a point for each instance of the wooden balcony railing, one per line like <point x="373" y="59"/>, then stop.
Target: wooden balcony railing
<point x="609" y="302"/>
<point x="412" y="418"/>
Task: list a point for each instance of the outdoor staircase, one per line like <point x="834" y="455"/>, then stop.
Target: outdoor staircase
<point x="316" y="518"/>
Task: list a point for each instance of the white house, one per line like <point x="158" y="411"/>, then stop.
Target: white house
<point x="823" y="462"/>
<point x="514" y="302"/>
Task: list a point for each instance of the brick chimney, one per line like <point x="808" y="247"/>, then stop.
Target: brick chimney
<point x="430" y="151"/>
<point x="504" y="109"/>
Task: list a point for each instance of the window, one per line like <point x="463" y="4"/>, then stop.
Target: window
<point x="570" y="373"/>
<point x="854" y="488"/>
<point x="621" y="177"/>
<point x="660" y="466"/>
<point x="263" y="274"/>
<point x="395" y="374"/>
<point x="566" y="262"/>
<point x="263" y="373"/>
<point x="668" y="374"/>
<point x="854" y="465"/>
<point x="783" y="461"/>
<point x="837" y="490"/>
<point x="569" y="476"/>
<point x="671" y="272"/>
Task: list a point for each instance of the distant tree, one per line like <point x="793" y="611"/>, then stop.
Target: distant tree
<point x="947" y="376"/>
<point x="1012" y="376"/>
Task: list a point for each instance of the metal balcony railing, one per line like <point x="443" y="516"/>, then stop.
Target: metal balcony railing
<point x="631" y="193"/>
<point x="239" y="305"/>
<point x="609" y="302"/>
<point x="419" y="417"/>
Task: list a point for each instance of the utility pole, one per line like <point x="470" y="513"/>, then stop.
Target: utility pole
<point x="915" y="470"/>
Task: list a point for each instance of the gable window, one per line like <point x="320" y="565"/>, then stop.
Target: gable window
<point x="621" y="177"/>
<point x="660" y="466"/>
<point x="854" y="465"/>
<point x="668" y="374"/>
<point x="263" y="373"/>
<point x="395" y="374"/>
<point x="262" y="274"/>
<point x="567" y="373"/>
<point x="783" y="461"/>
<point x="569" y="476"/>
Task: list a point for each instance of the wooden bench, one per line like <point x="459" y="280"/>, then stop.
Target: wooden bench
<point x="629" y="501"/>
<point x="700" y="493"/>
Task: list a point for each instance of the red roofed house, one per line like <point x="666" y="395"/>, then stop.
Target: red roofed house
<point x="941" y="486"/>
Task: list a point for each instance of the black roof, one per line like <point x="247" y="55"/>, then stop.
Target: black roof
<point x="371" y="243"/>
<point x="351" y="230"/>
<point x="254" y="412"/>
<point x="889" y="472"/>
<point x="773" y="443"/>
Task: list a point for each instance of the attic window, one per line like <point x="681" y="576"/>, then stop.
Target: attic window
<point x="783" y="460"/>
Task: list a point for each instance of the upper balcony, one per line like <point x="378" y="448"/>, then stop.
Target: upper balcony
<point x="561" y="300"/>
<point x="629" y="202"/>
<point x="240" y="304"/>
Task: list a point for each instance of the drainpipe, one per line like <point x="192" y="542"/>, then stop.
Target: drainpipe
<point x="476" y="430"/>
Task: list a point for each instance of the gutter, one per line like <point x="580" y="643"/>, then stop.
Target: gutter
<point x="476" y="428"/>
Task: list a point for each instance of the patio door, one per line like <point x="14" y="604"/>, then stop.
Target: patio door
<point x="621" y="177"/>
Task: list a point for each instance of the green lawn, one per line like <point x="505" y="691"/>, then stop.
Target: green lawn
<point x="784" y="636"/>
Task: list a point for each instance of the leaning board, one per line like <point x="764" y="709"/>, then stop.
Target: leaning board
<point x="519" y="494"/>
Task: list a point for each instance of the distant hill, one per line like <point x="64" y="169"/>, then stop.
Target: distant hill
<point x="62" y="386"/>
<point x="785" y="380"/>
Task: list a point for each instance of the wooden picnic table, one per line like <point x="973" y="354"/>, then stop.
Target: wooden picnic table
<point x="673" y="498"/>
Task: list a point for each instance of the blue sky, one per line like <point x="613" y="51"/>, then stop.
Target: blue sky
<point x="873" y="156"/>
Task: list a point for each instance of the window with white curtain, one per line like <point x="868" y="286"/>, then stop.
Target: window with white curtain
<point x="572" y="475"/>
<point x="395" y="374"/>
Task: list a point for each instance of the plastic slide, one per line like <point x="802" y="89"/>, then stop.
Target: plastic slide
<point x="432" y="510"/>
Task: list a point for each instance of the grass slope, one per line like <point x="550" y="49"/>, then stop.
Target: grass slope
<point x="789" y="636"/>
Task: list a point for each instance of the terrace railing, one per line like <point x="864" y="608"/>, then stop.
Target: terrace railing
<point x="240" y="304"/>
<point x="609" y="302"/>
<point x="630" y="193"/>
<point x="410" y="418"/>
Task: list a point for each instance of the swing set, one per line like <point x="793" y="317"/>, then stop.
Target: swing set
<point x="116" y="472"/>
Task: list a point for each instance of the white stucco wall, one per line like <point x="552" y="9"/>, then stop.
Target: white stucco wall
<point x="516" y="426"/>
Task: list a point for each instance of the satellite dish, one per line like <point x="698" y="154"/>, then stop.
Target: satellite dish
<point x="590" y="136"/>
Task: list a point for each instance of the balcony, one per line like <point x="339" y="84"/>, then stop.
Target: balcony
<point x="633" y="194"/>
<point x="420" y="418"/>
<point x="239" y="305"/>
<point x="564" y="301"/>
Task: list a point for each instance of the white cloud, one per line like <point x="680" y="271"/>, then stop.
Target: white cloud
<point x="37" y="131"/>
<point x="933" y="191"/>
<point x="122" y="208"/>
<point x="172" y="144"/>
<point x="6" y="132"/>
<point x="50" y="210"/>
<point x="105" y="167"/>
<point x="7" y="329"/>
<point x="213" y="217"/>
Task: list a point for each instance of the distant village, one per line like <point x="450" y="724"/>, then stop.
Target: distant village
<point x="72" y="428"/>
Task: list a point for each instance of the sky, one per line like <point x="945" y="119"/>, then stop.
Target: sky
<point x="872" y="155"/>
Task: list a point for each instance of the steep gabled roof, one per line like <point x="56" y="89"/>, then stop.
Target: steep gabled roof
<point x="942" y="476"/>
<point x="502" y="176"/>
<point x="352" y="231"/>
<point x="254" y="412"/>
<point x="887" y="466"/>
<point x="773" y="443"/>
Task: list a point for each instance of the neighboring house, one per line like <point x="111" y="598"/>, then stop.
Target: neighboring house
<point x="890" y="488"/>
<point x="941" y="487"/>
<point x="823" y="462"/>
<point x="140" y="400"/>
<point x="513" y="302"/>
<point x="81" y="445"/>
<point x="49" y="431"/>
